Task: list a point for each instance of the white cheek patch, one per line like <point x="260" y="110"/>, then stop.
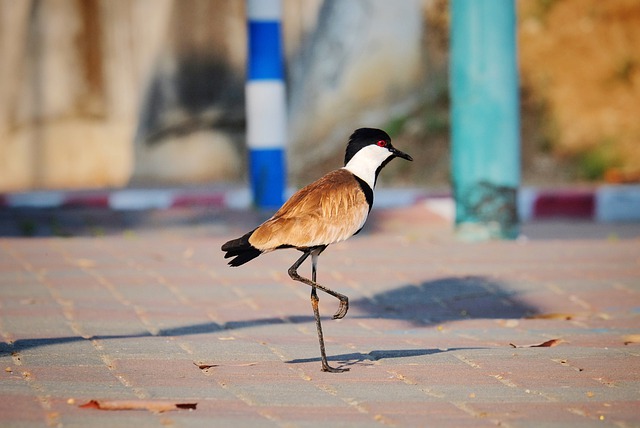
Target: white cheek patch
<point x="365" y="163"/>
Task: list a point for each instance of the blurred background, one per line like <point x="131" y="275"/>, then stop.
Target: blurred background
<point x="113" y="93"/>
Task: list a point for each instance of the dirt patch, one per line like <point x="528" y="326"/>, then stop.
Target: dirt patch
<point x="580" y="95"/>
<point x="580" y="62"/>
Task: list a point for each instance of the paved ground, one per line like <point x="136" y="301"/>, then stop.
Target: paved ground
<point x="140" y="307"/>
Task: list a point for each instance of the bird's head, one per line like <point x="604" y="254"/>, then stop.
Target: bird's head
<point x="368" y="151"/>
<point x="375" y="142"/>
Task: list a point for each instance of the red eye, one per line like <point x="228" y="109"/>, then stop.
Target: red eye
<point x="382" y="143"/>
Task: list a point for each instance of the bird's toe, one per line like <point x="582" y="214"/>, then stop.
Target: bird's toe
<point x="342" y="310"/>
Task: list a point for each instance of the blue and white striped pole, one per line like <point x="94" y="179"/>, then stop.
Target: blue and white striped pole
<point x="265" y="104"/>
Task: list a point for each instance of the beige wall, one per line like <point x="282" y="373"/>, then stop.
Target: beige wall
<point x="98" y="93"/>
<point x="94" y="92"/>
<point x="71" y="84"/>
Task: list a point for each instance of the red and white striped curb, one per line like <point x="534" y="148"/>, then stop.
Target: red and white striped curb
<point x="609" y="203"/>
<point x="603" y="204"/>
<point x="128" y="199"/>
<point x="606" y="204"/>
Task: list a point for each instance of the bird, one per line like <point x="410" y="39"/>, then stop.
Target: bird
<point x="327" y="211"/>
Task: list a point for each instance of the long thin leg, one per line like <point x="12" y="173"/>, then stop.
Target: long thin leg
<point x="314" y="304"/>
<point x="344" y="300"/>
<point x="316" y="312"/>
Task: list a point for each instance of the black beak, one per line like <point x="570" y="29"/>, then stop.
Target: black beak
<point x="400" y="154"/>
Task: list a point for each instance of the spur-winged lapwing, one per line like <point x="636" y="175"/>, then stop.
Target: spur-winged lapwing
<point x="327" y="211"/>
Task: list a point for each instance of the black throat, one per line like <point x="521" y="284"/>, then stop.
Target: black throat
<point x="382" y="166"/>
<point x="367" y="190"/>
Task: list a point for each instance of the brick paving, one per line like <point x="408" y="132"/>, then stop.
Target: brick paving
<point x="96" y="305"/>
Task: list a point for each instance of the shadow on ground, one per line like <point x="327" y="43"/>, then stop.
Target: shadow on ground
<point x="96" y="222"/>
<point x="28" y="222"/>
<point x="434" y="302"/>
<point x="447" y="299"/>
<point x="421" y="305"/>
<point x="358" y="358"/>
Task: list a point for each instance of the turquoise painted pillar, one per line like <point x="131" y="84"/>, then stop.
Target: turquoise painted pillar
<point x="485" y="114"/>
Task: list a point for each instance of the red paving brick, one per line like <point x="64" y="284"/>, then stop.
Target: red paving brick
<point x="428" y="338"/>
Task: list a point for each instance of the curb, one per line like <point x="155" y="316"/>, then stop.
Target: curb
<point x="608" y="203"/>
<point x="605" y="204"/>
<point x="129" y="199"/>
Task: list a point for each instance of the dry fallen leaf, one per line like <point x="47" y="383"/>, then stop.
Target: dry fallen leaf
<point x="552" y="316"/>
<point x="511" y="323"/>
<point x="152" y="406"/>
<point x="85" y="263"/>
<point x="547" y="344"/>
<point x="204" y="366"/>
<point x="188" y="253"/>
<point x="631" y="338"/>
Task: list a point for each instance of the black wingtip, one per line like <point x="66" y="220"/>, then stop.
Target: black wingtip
<point x="241" y="250"/>
<point x="243" y="257"/>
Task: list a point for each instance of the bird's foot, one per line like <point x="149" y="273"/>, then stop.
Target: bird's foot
<point x="342" y="310"/>
<point x="327" y="368"/>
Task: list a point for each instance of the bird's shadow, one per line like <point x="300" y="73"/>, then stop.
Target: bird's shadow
<point x="354" y="358"/>
<point x="433" y="303"/>
<point x="420" y="305"/>
<point x="446" y="299"/>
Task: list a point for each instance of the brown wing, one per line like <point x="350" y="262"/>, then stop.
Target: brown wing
<point x="326" y="211"/>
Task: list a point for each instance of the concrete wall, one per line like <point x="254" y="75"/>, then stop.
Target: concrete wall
<point x="71" y="85"/>
<point x="105" y="92"/>
<point x="98" y="93"/>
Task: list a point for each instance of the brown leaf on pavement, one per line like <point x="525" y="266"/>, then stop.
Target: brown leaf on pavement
<point x="84" y="263"/>
<point x="547" y="344"/>
<point x="150" y="405"/>
<point x="631" y="338"/>
<point x="552" y="316"/>
<point x="204" y="366"/>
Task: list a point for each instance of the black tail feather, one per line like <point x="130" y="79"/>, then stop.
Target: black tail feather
<point x="241" y="250"/>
